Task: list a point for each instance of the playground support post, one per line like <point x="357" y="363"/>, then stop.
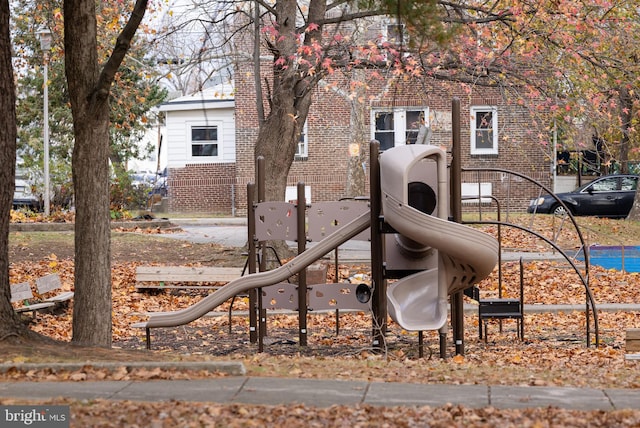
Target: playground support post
<point x="251" y="233"/>
<point x="302" y="276"/>
<point x="379" y="300"/>
<point x="262" y="314"/>
<point x="457" y="309"/>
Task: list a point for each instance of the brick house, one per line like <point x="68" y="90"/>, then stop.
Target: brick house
<point x="495" y="134"/>
<point x="210" y="138"/>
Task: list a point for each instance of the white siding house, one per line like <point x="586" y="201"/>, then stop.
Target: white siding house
<point x="200" y="142"/>
<point x="191" y="121"/>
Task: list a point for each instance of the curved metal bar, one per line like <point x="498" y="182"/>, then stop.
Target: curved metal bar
<point x="494" y="199"/>
<point x="590" y="298"/>
<point x="537" y="183"/>
<point x="585" y="279"/>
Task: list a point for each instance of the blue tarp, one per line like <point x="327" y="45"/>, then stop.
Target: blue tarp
<point x="611" y="257"/>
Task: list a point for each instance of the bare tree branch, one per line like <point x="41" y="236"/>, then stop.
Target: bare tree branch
<point x="121" y="48"/>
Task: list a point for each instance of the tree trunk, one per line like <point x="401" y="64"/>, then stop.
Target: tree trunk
<point x="92" y="304"/>
<point x="290" y="101"/>
<point x="90" y="164"/>
<point x="277" y="144"/>
<point x="10" y="325"/>
<point x="89" y="88"/>
<point x="356" y="167"/>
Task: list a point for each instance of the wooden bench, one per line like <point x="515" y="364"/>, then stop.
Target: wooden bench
<point x="51" y="283"/>
<point x="182" y="274"/>
<point x="22" y="292"/>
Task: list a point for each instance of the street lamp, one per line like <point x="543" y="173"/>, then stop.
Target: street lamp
<point x="44" y="35"/>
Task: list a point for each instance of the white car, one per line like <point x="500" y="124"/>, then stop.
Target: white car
<point x="23" y="197"/>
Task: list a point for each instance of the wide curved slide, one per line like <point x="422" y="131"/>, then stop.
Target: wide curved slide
<point x="465" y="257"/>
<point x="260" y="279"/>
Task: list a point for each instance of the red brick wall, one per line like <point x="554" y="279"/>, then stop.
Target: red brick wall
<point x="519" y="148"/>
<point x="329" y="132"/>
<point x="205" y="188"/>
<point x="211" y="187"/>
<point x="328" y="128"/>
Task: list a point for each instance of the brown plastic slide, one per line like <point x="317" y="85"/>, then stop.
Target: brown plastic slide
<point x="260" y="279"/>
<point x="465" y="255"/>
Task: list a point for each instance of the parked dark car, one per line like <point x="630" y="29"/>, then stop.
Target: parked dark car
<point x="607" y="196"/>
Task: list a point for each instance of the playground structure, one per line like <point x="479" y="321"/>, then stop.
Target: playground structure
<point x="413" y="241"/>
<point x="429" y="256"/>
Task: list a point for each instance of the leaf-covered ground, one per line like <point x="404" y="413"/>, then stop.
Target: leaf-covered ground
<point x="554" y="351"/>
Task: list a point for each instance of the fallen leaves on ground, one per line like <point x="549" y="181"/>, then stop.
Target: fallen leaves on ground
<point x="103" y="413"/>
<point x="57" y="216"/>
<point x="554" y="352"/>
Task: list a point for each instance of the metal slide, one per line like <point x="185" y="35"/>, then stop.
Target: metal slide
<point x="260" y="279"/>
<point x="465" y="255"/>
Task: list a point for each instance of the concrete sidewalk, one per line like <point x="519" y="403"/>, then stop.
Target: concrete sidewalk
<point x="324" y="393"/>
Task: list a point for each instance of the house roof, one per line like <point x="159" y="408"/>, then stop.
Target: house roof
<point x="215" y="97"/>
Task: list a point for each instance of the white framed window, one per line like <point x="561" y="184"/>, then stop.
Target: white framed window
<point x="484" y="130"/>
<point x="205" y="142"/>
<point x="398" y="126"/>
<point x="396" y="34"/>
<point x="302" y="150"/>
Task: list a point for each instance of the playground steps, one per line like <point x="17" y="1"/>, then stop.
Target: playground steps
<point x="161" y="277"/>
<point x="497" y="309"/>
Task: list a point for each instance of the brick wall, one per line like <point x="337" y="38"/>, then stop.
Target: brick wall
<point x="329" y="132"/>
<point x="208" y="188"/>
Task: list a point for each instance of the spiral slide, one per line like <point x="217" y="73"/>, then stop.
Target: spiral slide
<point x="464" y="256"/>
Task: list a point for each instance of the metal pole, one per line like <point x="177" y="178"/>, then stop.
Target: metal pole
<point x="379" y="298"/>
<point x="262" y="256"/>
<point x="252" y="261"/>
<point x="47" y="197"/>
<point x="44" y="35"/>
<point x="457" y="309"/>
<point x="302" y="276"/>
